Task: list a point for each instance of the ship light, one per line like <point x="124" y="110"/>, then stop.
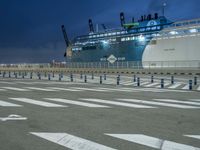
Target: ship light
<point x="193" y="30"/>
<point x="141" y="38"/>
<point x="105" y="42"/>
<point x="173" y="32"/>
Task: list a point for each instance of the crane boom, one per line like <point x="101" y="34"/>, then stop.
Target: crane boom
<point x="65" y="35"/>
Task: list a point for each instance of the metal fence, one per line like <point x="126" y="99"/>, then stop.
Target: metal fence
<point x="195" y="65"/>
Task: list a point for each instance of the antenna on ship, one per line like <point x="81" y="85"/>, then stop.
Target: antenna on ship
<point x="163" y="8"/>
<point x="91" y="27"/>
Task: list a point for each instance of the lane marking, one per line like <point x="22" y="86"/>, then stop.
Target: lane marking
<point x="40" y="89"/>
<point x="89" y="89"/>
<point x="77" y="102"/>
<point x="4" y="82"/>
<point x="174" y="86"/>
<point x="7" y="104"/>
<point x="196" y="100"/>
<point x="36" y="102"/>
<point x="198" y="89"/>
<point x="117" y="103"/>
<point x="177" y="101"/>
<point x="64" y="89"/>
<point x="152" y="84"/>
<point x="159" y="103"/>
<point x="12" y="117"/>
<point x="15" y="89"/>
<point x="193" y="136"/>
<point x="186" y="87"/>
<point x="153" y="142"/>
<point x="3" y="90"/>
<point x="71" y="141"/>
<point x="166" y="84"/>
<point x="121" y="89"/>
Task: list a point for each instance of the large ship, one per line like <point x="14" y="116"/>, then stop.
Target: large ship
<point x="151" y="40"/>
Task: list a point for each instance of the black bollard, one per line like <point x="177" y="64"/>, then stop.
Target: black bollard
<point x="100" y="79"/>
<point x="92" y="75"/>
<point x="118" y="79"/>
<point x="152" y="79"/>
<point x="172" y="79"/>
<point x="53" y="75"/>
<point x="71" y="77"/>
<point x="31" y="75"/>
<point x="134" y="78"/>
<point x="195" y="80"/>
<point x="190" y="84"/>
<point x="138" y="81"/>
<point x="9" y="74"/>
<point x="49" y="77"/>
<point x="104" y="76"/>
<point x="162" y="83"/>
<point x="81" y="76"/>
<point x="85" y="79"/>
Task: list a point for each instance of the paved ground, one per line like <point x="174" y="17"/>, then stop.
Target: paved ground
<point x="52" y="115"/>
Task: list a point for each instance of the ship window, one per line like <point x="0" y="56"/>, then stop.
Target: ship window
<point x="109" y="34"/>
<point x="122" y="39"/>
<point x="101" y="35"/>
<point x="118" y="32"/>
<point x="105" y="34"/>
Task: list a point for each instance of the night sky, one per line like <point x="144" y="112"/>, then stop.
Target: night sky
<point x="30" y="29"/>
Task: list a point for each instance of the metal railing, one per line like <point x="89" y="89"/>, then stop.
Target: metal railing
<point x="189" y="65"/>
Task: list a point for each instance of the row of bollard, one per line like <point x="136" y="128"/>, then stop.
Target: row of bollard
<point x="135" y="79"/>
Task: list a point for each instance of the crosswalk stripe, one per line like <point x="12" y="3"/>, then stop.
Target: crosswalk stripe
<point x="71" y="141"/>
<point x="2" y="90"/>
<point x="90" y="89"/>
<point x="15" y="89"/>
<point x="4" y="82"/>
<point x="166" y="84"/>
<point x="174" y="86"/>
<point x="144" y="83"/>
<point x="186" y="87"/>
<point x="196" y="100"/>
<point x="153" y="142"/>
<point x="198" y="89"/>
<point x="177" y="101"/>
<point x="36" y="102"/>
<point x="121" y="89"/>
<point x="7" y="104"/>
<point x="64" y="89"/>
<point x="193" y="136"/>
<point x="152" y="84"/>
<point x="40" y="89"/>
<point x="116" y="103"/>
<point x="76" y="102"/>
<point x="159" y="103"/>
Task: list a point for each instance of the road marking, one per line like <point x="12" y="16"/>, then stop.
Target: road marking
<point x="7" y="104"/>
<point x="194" y="136"/>
<point x="153" y="142"/>
<point x="40" y="89"/>
<point x="64" y="89"/>
<point x="121" y="89"/>
<point x="159" y="103"/>
<point x="174" y="86"/>
<point x="90" y="89"/>
<point x="12" y="117"/>
<point x="198" y="89"/>
<point x="117" y="103"/>
<point x="152" y="84"/>
<point x="3" y="90"/>
<point x="76" y="103"/>
<point x="15" y="89"/>
<point x="177" y="101"/>
<point x="196" y="100"/>
<point x="71" y="141"/>
<point x="36" y="102"/>
<point x="4" y="82"/>
<point x="144" y="83"/>
<point x="186" y="87"/>
<point x="166" y="84"/>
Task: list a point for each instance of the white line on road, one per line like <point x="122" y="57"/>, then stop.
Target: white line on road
<point x="7" y="104"/>
<point x="116" y="103"/>
<point x="152" y="84"/>
<point x="40" y="89"/>
<point x="76" y="102"/>
<point x="36" y="102"/>
<point x="64" y="89"/>
<point x="13" y="117"/>
<point x="198" y="89"/>
<point x="15" y="89"/>
<point x="194" y="136"/>
<point x="174" y="86"/>
<point x="186" y="87"/>
<point x="153" y="142"/>
<point x="159" y="103"/>
<point x="71" y="141"/>
<point x="177" y="101"/>
<point x="90" y="89"/>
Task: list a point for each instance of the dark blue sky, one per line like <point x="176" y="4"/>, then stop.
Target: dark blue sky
<point x="30" y="29"/>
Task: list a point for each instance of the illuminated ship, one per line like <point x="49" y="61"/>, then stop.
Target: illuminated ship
<point x="153" y="39"/>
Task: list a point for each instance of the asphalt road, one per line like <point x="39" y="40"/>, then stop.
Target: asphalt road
<point x="64" y="115"/>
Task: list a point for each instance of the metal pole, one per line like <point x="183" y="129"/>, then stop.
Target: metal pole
<point x="172" y="79"/>
<point x="190" y="84"/>
<point x="162" y="83"/>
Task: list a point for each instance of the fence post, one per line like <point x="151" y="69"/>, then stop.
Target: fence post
<point x="31" y="75"/>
